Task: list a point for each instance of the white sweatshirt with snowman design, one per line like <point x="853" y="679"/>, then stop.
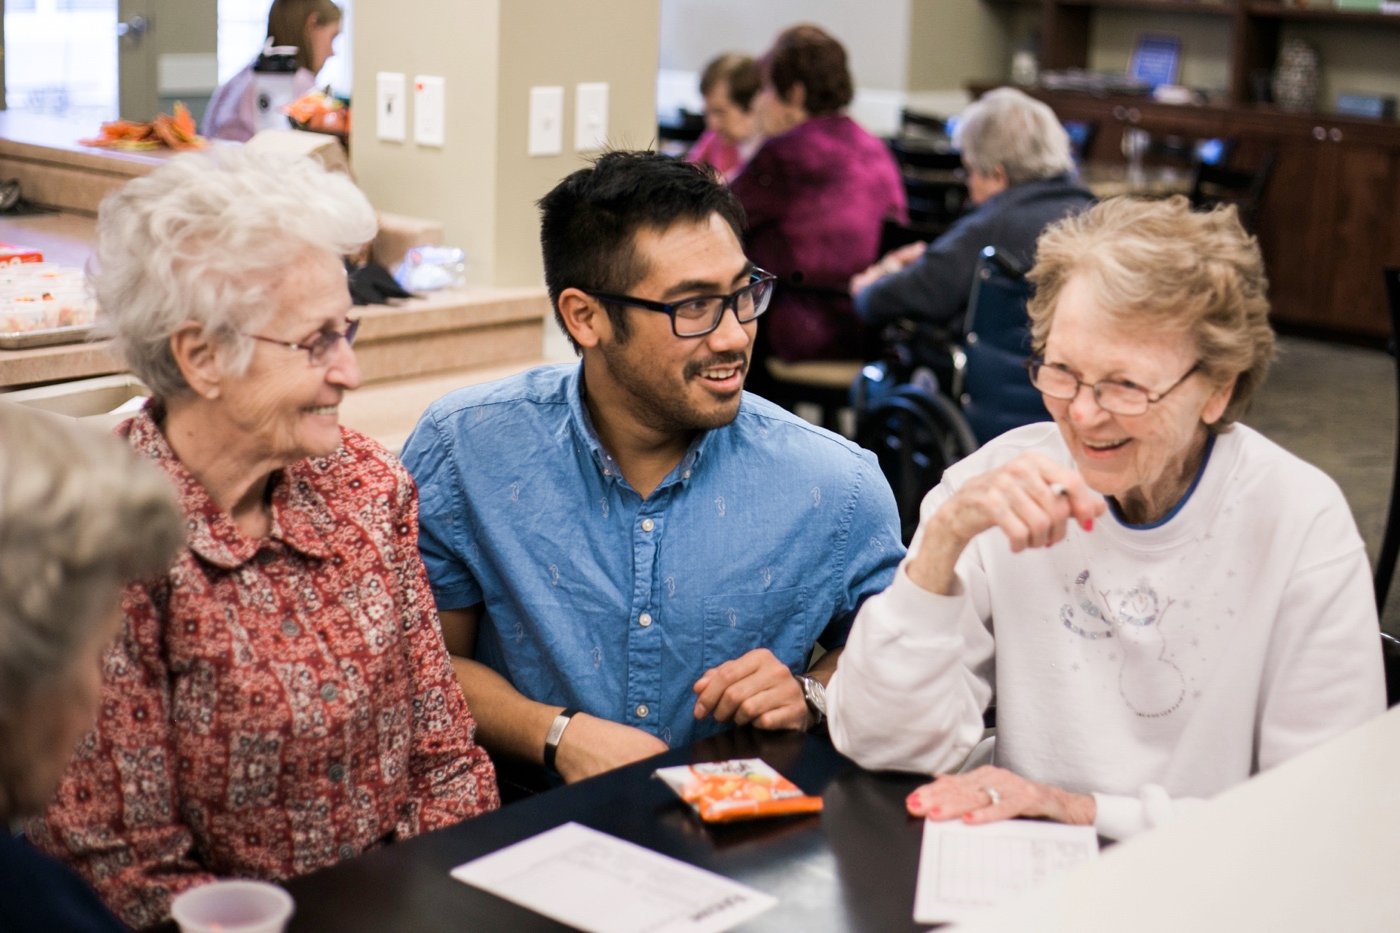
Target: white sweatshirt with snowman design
<point x="1148" y="665"/>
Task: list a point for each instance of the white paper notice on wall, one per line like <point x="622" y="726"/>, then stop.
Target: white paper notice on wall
<point x="602" y="884"/>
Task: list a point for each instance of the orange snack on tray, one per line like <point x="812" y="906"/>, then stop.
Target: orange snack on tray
<point x="738" y="789"/>
<point x="174" y="131"/>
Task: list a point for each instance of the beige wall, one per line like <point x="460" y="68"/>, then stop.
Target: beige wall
<point x="952" y="42"/>
<point x="549" y="42"/>
<point x="481" y="184"/>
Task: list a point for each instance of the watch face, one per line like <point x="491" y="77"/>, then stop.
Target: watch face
<point x="814" y="692"/>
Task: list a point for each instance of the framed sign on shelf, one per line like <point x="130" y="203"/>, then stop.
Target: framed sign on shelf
<point x="1156" y="59"/>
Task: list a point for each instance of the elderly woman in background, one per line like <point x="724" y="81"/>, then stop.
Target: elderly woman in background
<point x="1161" y="601"/>
<point x="79" y="516"/>
<point x="281" y="700"/>
<point x="1019" y="178"/>
<point x="731" y="135"/>
<point x="817" y="195"/>
<point x="309" y="26"/>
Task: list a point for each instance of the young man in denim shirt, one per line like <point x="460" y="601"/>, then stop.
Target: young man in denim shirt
<point x="630" y="553"/>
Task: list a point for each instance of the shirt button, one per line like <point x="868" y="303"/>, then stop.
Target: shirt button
<point x="336" y="772"/>
<point x="347" y="851"/>
<point x="648" y="524"/>
<point x="643" y="710"/>
<point x="328" y="692"/>
<point x="290" y="628"/>
<point x="685" y="475"/>
<point x="644" y="619"/>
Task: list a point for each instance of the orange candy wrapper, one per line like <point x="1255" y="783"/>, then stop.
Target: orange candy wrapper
<point x="737" y="789"/>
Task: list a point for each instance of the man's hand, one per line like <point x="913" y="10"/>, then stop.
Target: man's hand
<point x="591" y="746"/>
<point x="756" y="688"/>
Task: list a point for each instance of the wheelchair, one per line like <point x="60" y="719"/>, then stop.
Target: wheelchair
<point x="934" y="396"/>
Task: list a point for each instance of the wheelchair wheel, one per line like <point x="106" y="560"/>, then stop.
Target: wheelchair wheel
<point x="915" y="435"/>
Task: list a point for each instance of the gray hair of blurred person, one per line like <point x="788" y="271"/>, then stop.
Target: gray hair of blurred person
<point x="207" y="237"/>
<point x="1009" y="128"/>
<point x="80" y="515"/>
<point x="1158" y="266"/>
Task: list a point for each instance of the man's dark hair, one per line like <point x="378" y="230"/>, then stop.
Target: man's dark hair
<point x="589" y="222"/>
<point x="739" y="73"/>
<point x="808" y="55"/>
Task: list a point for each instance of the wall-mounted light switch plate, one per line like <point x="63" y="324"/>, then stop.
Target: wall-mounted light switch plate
<point x="546" y="121"/>
<point x="391" y="107"/>
<point x="429" y="112"/>
<point x="591" y="117"/>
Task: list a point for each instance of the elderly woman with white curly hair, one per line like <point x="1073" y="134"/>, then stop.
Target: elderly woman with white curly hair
<point x="79" y="516"/>
<point x="281" y="699"/>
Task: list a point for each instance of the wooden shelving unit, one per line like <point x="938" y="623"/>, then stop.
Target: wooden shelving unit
<point x="1329" y="222"/>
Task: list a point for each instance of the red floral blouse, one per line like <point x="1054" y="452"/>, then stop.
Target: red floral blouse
<point x="274" y="705"/>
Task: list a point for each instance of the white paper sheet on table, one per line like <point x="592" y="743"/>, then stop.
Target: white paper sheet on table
<point x="963" y="869"/>
<point x="602" y="884"/>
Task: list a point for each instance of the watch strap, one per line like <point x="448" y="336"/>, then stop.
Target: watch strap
<point x="555" y="733"/>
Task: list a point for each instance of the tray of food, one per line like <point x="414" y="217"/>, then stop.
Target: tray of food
<point x="43" y="303"/>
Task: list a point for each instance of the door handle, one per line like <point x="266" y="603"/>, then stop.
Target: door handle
<point x="134" y="28"/>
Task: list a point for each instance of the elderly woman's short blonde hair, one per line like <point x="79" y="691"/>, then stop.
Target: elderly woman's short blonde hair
<point x="1158" y="265"/>
<point x="80" y="514"/>
<point x="208" y="237"/>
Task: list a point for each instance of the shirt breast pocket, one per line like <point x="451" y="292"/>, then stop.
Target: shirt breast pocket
<point x="777" y="620"/>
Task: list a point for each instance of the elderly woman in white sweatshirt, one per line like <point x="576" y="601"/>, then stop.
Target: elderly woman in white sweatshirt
<point x="1160" y="601"/>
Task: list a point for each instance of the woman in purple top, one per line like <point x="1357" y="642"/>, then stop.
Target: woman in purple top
<point x="816" y="195"/>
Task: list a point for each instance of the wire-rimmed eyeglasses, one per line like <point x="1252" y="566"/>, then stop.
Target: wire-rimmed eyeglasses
<point x="1113" y="395"/>
<point x="318" y="348"/>
<point x="696" y="317"/>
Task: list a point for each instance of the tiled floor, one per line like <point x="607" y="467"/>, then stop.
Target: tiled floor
<point x="1335" y="407"/>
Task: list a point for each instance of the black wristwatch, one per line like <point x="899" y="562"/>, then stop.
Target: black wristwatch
<point x="814" y="693"/>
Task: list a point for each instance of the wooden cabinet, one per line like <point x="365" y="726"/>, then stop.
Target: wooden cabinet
<point x="1331" y="215"/>
<point x="1330" y="223"/>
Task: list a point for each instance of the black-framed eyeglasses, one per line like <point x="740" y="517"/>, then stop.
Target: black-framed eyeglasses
<point x="696" y="317"/>
<point x="318" y="349"/>
<point x="1113" y="395"/>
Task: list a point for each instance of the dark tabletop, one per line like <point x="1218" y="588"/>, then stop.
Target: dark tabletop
<point x="851" y="867"/>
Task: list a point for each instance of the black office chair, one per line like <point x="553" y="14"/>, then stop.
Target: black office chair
<point x="1390" y="658"/>
<point x="1213" y="185"/>
<point x="1390" y="540"/>
<point x="922" y="125"/>
<point x="995" y="393"/>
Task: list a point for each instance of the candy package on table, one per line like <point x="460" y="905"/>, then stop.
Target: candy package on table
<point x="737" y="789"/>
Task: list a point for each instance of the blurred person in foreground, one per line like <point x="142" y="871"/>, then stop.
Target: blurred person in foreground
<point x="80" y="515"/>
<point x="816" y="196"/>
<point x="1019" y="179"/>
<point x="1160" y="601"/>
<point x="309" y="26"/>
<point x="281" y="699"/>
<point x="731" y="135"/>
<point x="633" y="553"/>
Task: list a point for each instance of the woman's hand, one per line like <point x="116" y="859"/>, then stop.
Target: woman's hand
<point x="1031" y="499"/>
<point x="988" y="794"/>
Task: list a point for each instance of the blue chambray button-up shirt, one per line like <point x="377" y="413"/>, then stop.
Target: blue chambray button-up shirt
<point x="769" y="532"/>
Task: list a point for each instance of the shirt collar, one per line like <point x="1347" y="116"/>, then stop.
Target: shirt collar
<point x="210" y="532"/>
<point x="575" y="389"/>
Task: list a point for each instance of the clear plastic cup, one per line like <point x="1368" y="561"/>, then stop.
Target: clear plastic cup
<point x="233" y="907"/>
